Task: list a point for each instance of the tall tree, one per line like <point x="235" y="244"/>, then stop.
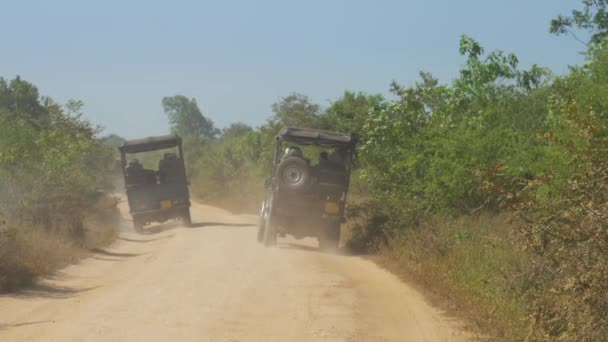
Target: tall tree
<point x="186" y="119"/>
<point x="350" y="112"/>
<point x="593" y="18"/>
<point x="114" y="140"/>
<point x="236" y="129"/>
<point x="21" y="99"/>
<point x="297" y="110"/>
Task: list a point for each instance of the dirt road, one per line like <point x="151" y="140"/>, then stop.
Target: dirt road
<point x="213" y="282"/>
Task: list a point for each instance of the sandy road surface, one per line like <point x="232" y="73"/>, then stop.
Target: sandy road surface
<point x="215" y="283"/>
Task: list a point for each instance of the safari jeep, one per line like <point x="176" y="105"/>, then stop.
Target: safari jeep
<point x="306" y="200"/>
<point x="159" y="194"/>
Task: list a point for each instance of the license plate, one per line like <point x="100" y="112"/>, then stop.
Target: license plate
<point x="166" y="204"/>
<point x="332" y="207"/>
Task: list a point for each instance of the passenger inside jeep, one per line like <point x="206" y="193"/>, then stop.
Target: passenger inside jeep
<point x="170" y="169"/>
<point x="331" y="169"/>
<point x="137" y="175"/>
<point x="324" y="162"/>
<point x="294" y="151"/>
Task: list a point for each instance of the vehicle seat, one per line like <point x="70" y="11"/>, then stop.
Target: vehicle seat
<point x="150" y="176"/>
<point x="170" y="169"/>
<point x="137" y="175"/>
<point x="331" y="173"/>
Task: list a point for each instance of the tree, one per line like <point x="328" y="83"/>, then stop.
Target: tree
<point x="297" y="110"/>
<point x="593" y="18"/>
<point x="350" y="112"/>
<point x="114" y="140"/>
<point x="186" y="119"/>
<point x="236" y="129"/>
<point x="21" y="99"/>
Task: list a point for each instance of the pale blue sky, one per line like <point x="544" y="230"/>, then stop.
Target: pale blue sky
<point x="238" y="57"/>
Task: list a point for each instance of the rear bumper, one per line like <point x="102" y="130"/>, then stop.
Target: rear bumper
<point x="159" y="211"/>
<point x="307" y="214"/>
<point x="159" y="215"/>
<point x="302" y="226"/>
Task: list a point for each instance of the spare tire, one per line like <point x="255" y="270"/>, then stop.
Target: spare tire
<point x="294" y="174"/>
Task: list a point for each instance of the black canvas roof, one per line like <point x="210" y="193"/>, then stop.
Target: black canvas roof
<point x="308" y="136"/>
<point x="150" y="144"/>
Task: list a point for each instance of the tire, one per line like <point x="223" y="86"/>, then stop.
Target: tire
<point x="186" y="218"/>
<point x="261" y="224"/>
<point x="261" y="234"/>
<point x="270" y="232"/>
<point x="329" y="239"/>
<point x="294" y="174"/>
<point x="138" y="225"/>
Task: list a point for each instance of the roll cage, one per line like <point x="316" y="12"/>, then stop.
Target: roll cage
<point x="307" y="136"/>
<point x="149" y="144"/>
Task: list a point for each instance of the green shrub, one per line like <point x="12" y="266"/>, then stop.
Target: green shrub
<point x="54" y="173"/>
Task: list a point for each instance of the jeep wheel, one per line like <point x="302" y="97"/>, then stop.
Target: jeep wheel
<point x="270" y="232"/>
<point x="138" y="225"/>
<point x="186" y="218"/>
<point x="261" y="226"/>
<point x="294" y="174"/>
<point x="329" y="238"/>
<point x="261" y="233"/>
<point x="261" y="223"/>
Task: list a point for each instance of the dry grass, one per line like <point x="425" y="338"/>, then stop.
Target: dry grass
<point x="29" y="252"/>
<point x="101" y="223"/>
<point x="468" y="266"/>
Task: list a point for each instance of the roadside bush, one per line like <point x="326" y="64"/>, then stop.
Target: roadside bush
<point x="54" y="175"/>
<point x="565" y="216"/>
<point x="230" y="171"/>
<point x="473" y="264"/>
<point x="363" y="231"/>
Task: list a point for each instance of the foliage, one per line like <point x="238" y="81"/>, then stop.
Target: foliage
<point x="230" y="170"/>
<point x="114" y="141"/>
<point x="236" y="129"/>
<point x="298" y="111"/>
<point x="425" y="150"/>
<point x="593" y="18"/>
<point x="20" y="98"/>
<point x="186" y="119"/>
<point x="564" y="217"/>
<point x="350" y="112"/>
<point x="53" y="168"/>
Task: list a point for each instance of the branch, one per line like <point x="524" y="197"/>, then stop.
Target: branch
<point x="577" y="38"/>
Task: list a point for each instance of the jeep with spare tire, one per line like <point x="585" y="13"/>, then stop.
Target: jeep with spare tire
<point x="156" y="192"/>
<point x="305" y="200"/>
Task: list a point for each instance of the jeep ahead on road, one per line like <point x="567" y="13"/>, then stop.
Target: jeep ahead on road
<point x="155" y="194"/>
<point x="305" y="200"/>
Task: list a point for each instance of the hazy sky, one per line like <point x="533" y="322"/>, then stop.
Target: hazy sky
<point x="238" y="57"/>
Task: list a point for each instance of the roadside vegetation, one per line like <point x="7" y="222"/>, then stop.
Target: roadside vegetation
<point x="54" y="183"/>
<point x="489" y="190"/>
